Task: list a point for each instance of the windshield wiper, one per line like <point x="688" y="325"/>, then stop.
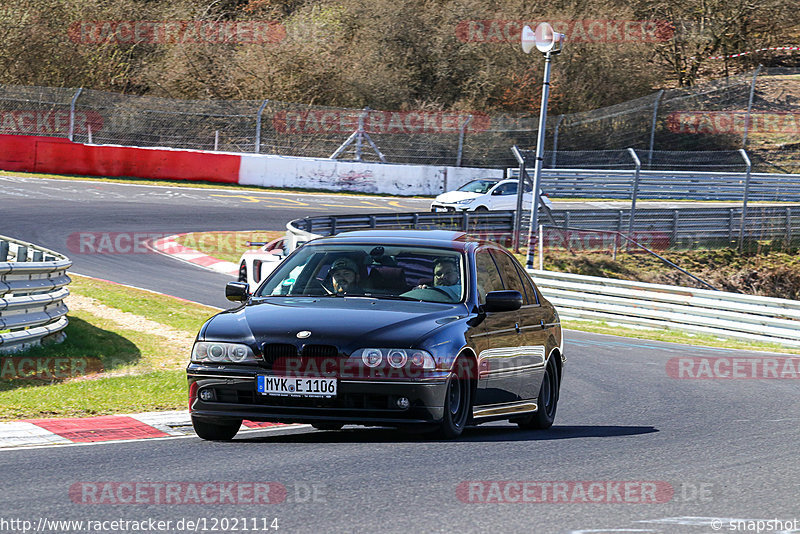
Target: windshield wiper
<point x="395" y="297"/>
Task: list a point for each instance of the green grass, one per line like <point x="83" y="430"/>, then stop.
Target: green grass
<point x="171" y="311"/>
<point x="158" y="390"/>
<point x="141" y="371"/>
<point x="227" y="246"/>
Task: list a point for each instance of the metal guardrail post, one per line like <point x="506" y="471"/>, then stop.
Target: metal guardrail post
<point x="635" y="192"/>
<point x="744" y="200"/>
<point x="71" y="133"/>
<point x="750" y="106"/>
<point x="3" y="250"/>
<point x="258" y="126"/>
<point x="555" y="140"/>
<point x="520" y="193"/>
<point x="653" y="129"/>
<point x="461" y="140"/>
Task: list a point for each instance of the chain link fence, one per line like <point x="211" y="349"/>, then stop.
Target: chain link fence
<point x="679" y="128"/>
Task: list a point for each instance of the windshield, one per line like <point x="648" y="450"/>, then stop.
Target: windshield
<point x="477" y="186"/>
<point x="388" y="272"/>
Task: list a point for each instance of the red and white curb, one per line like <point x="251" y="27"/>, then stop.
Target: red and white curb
<point x="38" y="432"/>
<point x="168" y="246"/>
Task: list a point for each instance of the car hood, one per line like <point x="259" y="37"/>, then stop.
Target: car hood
<point x="348" y="323"/>
<point x="454" y="196"/>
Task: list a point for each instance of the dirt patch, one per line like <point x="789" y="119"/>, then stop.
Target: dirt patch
<point x="178" y="342"/>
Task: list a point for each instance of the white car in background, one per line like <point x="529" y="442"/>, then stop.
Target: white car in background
<point x="255" y="265"/>
<point x="484" y="195"/>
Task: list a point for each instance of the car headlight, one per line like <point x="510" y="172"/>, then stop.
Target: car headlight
<point x="397" y="358"/>
<point x="218" y="352"/>
<point x="464" y="201"/>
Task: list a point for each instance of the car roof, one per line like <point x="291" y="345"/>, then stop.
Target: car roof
<point x="442" y="238"/>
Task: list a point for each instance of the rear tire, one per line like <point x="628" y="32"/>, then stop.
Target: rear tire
<point x="216" y="431"/>
<point x="547" y="400"/>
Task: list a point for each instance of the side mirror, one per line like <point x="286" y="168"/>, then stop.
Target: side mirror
<point x="499" y="301"/>
<point x="237" y="291"/>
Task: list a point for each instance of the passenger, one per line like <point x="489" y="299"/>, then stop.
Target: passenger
<point x="345" y="277"/>
<point x="446" y="277"/>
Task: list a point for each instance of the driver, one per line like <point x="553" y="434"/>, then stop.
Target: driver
<point x="446" y="277"/>
<point x="345" y="277"/>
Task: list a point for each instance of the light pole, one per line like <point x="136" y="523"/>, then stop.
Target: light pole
<point x="548" y="43"/>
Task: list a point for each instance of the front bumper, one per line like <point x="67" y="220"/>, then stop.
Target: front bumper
<point x="439" y="207"/>
<point x="357" y="401"/>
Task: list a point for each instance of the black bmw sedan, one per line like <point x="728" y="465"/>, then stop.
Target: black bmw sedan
<point x="423" y="330"/>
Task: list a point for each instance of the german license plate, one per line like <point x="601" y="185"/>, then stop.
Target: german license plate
<point x="296" y="386"/>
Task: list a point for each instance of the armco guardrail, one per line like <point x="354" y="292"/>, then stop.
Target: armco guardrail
<point x="662" y="185"/>
<point x="605" y="299"/>
<point x="680" y="308"/>
<point x="32" y="292"/>
<point x="679" y="226"/>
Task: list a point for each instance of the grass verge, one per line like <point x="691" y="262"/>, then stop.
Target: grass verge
<point x="125" y="352"/>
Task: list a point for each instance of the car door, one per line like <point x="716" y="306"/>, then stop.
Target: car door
<point x="533" y="322"/>
<point x="496" y="340"/>
<point x="504" y="197"/>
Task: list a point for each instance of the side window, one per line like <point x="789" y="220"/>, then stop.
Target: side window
<point x="533" y="295"/>
<point x="488" y="277"/>
<point x="506" y="189"/>
<point x="509" y="272"/>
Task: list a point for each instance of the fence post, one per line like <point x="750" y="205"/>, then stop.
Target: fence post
<point x="520" y="193"/>
<point x="71" y="133"/>
<point x="461" y="140"/>
<point x="744" y="200"/>
<point x="788" y="227"/>
<point x="750" y="106"/>
<point x="653" y="129"/>
<point x="675" y="215"/>
<point x="634" y="193"/>
<point x="216" y="140"/>
<point x="541" y="247"/>
<point x="258" y="127"/>
<point x="360" y="136"/>
<point x="555" y="140"/>
<point x="3" y="250"/>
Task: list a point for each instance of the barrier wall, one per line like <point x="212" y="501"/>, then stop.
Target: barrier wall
<point x="319" y="173"/>
<point x="56" y="155"/>
<point x="60" y="156"/>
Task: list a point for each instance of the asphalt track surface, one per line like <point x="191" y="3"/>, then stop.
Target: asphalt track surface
<point x="725" y="449"/>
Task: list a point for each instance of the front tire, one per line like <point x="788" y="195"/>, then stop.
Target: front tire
<point x="457" y="401"/>
<point x="216" y="431"/>
<point x="547" y="400"/>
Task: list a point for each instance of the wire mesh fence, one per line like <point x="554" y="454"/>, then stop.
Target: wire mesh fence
<point x="698" y="127"/>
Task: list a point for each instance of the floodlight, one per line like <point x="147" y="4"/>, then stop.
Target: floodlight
<point x="545" y="39"/>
